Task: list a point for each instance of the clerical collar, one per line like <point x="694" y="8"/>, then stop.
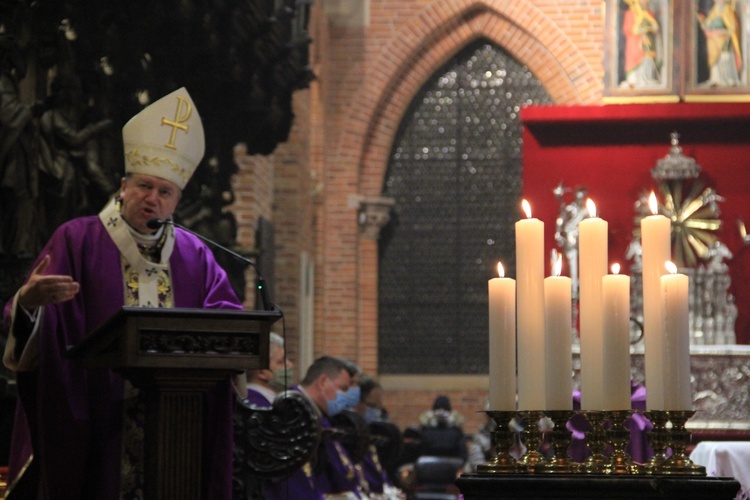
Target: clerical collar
<point x="147" y="240"/>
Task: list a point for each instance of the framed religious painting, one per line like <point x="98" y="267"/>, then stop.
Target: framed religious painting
<point x="641" y="40"/>
<point x="719" y="50"/>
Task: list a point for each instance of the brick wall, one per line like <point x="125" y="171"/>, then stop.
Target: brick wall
<point x="338" y="151"/>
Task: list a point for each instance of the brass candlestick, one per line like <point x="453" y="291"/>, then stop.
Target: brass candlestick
<point x="560" y="463"/>
<point x="679" y="463"/>
<point x="619" y="437"/>
<point x="502" y="440"/>
<point x="596" y="439"/>
<point x="658" y="438"/>
<point x="531" y="437"/>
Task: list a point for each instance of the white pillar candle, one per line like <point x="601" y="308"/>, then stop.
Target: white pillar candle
<point x="616" y="345"/>
<point x="592" y="265"/>
<point x="558" y="346"/>
<point x="502" y="297"/>
<point x="530" y="319"/>
<point x="676" y="341"/>
<point x="656" y="248"/>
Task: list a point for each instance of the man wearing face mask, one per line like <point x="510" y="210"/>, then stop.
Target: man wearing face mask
<point x="370" y="408"/>
<point x="263" y="385"/>
<point x="335" y="476"/>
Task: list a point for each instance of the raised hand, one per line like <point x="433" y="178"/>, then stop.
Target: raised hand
<point x="42" y="290"/>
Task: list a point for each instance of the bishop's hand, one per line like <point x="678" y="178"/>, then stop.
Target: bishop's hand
<point x="42" y="290"/>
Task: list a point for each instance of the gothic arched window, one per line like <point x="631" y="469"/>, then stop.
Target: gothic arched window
<point x="455" y="173"/>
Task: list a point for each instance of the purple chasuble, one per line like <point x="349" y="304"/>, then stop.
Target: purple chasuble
<point x="80" y="410"/>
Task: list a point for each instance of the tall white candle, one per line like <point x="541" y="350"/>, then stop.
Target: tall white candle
<point x="616" y="345"/>
<point x="592" y="265"/>
<point x="559" y="353"/>
<point x="656" y="247"/>
<point x="502" y="298"/>
<point x="530" y="319"/>
<point x="676" y="368"/>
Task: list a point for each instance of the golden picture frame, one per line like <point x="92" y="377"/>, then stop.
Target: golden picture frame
<point x="718" y="60"/>
<point x="642" y="47"/>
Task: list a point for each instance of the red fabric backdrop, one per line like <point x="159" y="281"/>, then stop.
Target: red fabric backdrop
<point x="611" y="150"/>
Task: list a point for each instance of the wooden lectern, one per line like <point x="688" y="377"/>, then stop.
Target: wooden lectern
<point x="175" y="356"/>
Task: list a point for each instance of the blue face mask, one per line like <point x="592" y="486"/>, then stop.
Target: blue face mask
<point x="373" y="414"/>
<point x="336" y="406"/>
<point x="351" y="396"/>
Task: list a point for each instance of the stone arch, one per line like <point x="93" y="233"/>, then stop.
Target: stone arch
<point x="423" y="44"/>
<point x="429" y="40"/>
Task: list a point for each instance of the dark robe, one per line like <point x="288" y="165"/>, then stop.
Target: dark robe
<point x="80" y="410"/>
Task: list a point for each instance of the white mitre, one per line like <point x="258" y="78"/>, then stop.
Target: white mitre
<point x="165" y="139"/>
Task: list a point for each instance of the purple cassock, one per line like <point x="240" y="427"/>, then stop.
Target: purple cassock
<point x="301" y="484"/>
<point x="638" y="448"/>
<point x="80" y="410"/>
<point x="373" y="472"/>
<point x="339" y="474"/>
<point x="258" y="399"/>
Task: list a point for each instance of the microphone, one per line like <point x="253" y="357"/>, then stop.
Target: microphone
<point x="261" y="282"/>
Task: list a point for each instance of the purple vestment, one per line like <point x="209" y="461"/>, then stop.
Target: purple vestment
<point x="335" y="474"/>
<point x="340" y="474"/>
<point x="258" y="399"/>
<point x="301" y="484"/>
<point x="373" y="472"/>
<point x="80" y="410"/>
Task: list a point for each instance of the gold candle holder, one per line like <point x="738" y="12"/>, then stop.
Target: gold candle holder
<point x="658" y="438"/>
<point x="679" y="463"/>
<point x="596" y="439"/>
<point x="502" y="440"/>
<point x="531" y="437"/>
<point x="560" y="463"/>
<point x="619" y="437"/>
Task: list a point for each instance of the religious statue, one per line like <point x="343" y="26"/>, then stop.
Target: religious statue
<point x="19" y="181"/>
<point x="69" y="154"/>
<point x="566" y="228"/>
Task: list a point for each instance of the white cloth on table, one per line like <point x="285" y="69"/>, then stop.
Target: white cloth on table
<point x="726" y="459"/>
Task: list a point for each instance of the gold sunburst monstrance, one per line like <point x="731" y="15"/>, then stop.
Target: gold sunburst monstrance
<point x="694" y="213"/>
<point x="692" y="207"/>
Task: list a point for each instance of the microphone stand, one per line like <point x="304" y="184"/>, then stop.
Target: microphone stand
<point x="260" y="282"/>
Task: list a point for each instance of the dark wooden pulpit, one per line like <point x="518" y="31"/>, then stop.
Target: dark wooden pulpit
<point x="175" y="356"/>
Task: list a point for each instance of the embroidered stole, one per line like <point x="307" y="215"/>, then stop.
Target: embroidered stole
<point x="146" y="283"/>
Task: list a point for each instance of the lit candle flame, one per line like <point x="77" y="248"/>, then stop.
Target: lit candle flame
<point x="500" y="270"/>
<point x="670" y="267"/>
<point x="526" y="208"/>
<point x="557" y="268"/>
<point x="591" y="207"/>
<point x="615" y="268"/>
<point x="652" y="205"/>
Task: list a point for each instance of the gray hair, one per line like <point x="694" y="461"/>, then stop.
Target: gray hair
<point x="275" y="339"/>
